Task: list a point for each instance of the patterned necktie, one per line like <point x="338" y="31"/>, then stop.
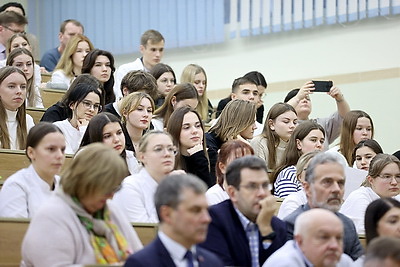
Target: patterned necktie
<point x="189" y="258"/>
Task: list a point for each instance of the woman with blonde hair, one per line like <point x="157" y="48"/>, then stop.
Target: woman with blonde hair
<point x="136" y="198"/>
<point x="14" y="122"/>
<point x="196" y="75"/>
<point x="137" y="110"/>
<point x="23" y="59"/>
<point x="184" y="94"/>
<point x="278" y="127"/>
<point x="383" y="180"/>
<point x="70" y="64"/>
<point x="231" y="126"/>
<point x="78" y="225"/>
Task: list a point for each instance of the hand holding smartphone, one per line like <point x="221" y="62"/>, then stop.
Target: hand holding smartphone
<point x="322" y="86"/>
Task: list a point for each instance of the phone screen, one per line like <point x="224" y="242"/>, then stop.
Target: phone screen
<point x="322" y="86"/>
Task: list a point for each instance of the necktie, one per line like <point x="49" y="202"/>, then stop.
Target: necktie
<point x="189" y="258"/>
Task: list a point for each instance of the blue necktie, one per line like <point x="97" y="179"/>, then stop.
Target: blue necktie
<point x="189" y="258"/>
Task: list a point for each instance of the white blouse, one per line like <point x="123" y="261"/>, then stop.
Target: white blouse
<point x="23" y="193"/>
<point x="12" y="125"/>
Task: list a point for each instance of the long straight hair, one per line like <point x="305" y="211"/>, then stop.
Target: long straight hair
<point x="174" y="127"/>
<point x="31" y="97"/>
<point x="349" y="124"/>
<point x="271" y="136"/>
<point x="292" y="153"/>
<point x="21" y="115"/>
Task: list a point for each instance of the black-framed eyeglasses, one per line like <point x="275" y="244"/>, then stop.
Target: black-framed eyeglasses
<point x="14" y="31"/>
<point x="170" y="149"/>
<point x="88" y="104"/>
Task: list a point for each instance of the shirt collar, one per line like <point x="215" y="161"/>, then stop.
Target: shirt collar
<point x="246" y="223"/>
<point x="175" y="250"/>
<point x="306" y="261"/>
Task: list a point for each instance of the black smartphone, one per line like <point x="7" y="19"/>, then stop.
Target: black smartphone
<point x="322" y="86"/>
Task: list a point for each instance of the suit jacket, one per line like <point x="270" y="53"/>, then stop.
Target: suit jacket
<point x="155" y="254"/>
<point x="228" y="240"/>
<point x="351" y="243"/>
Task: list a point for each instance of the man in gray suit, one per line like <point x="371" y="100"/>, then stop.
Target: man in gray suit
<point x="324" y="187"/>
<point x="318" y="241"/>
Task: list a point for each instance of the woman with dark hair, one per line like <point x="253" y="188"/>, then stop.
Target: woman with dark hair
<point x="100" y="64"/>
<point x="308" y="136"/>
<point x="60" y="111"/>
<point x="187" y="131"/>
<point x="26" y="190"/>
<point x="383" y="180"/>
<point x="14" y="122"/>
<point x="84" y="101"/>
<point x="166" y="81"/>
<point x="364" y="152"/>
<point x="184" y="94"/>
<point x="229" y="151"/>
<point x="382" y="218"/>
<point x="106" y="128"/>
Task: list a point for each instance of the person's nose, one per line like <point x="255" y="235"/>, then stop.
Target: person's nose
<point x="319" y="144"/>
<point x="157" y="53"/>
<point x="103" y="68"/>
<point x="251" y="97"/>
<point x="334" y="244"/>
<point x="393" y="181"/>
<point x="335" y="187"/>
<point x="254" y="126"/>
<point x="60" y="153"/>
<point x="206" y="218"/>
<point x="363" y="161"/>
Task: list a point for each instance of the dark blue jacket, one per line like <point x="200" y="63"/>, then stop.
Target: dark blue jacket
<point x="155" y="254"/>
<point x="227" y="238"/>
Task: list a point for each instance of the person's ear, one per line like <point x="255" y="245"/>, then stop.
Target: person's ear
<point x="173" y="101"/>
<point x="140" y="157"/>
<point x="142" y="48"/>
<point x="233" y="96"/>
<point x="165" y="214"/>
<point x="231" y="190"/>
<point x="298" y="143"/>
<point x="370" y="179"/>
<point x="125" y="91"/>
<point x="30" y="152"/>
<point x="298" y="239"/>
<point x="72" y="106"/>
<point x="271" y="125"/>
<point x="222" y="167"/>
<point x="307" y="189"/>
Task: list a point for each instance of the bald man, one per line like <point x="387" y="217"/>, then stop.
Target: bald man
<point x="318" y="242"/>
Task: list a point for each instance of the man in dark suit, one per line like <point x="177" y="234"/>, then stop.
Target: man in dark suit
<point x="182" y="209"/>
<point x="324" y="187"/>
<point x="244" y="230"/>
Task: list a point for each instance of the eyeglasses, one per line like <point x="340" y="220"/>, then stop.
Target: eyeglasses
<point x="387" y="178"/>
<point x="169" y="149"/>
<point x="253" y="187"/>
<point x="14" y="31"/>
<point x="88" y="104"/>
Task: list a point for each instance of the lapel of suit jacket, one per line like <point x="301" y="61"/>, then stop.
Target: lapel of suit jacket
<point x="165" y="258"/>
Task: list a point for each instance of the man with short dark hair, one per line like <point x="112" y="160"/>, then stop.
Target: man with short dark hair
<point x="11" y="23"/>
<point x="324" y="187"/>
<point x="181" y="207"/>
<point x="244" y="230"/>
<point x="68" y="29"/>
<point x="152" y="50"/>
